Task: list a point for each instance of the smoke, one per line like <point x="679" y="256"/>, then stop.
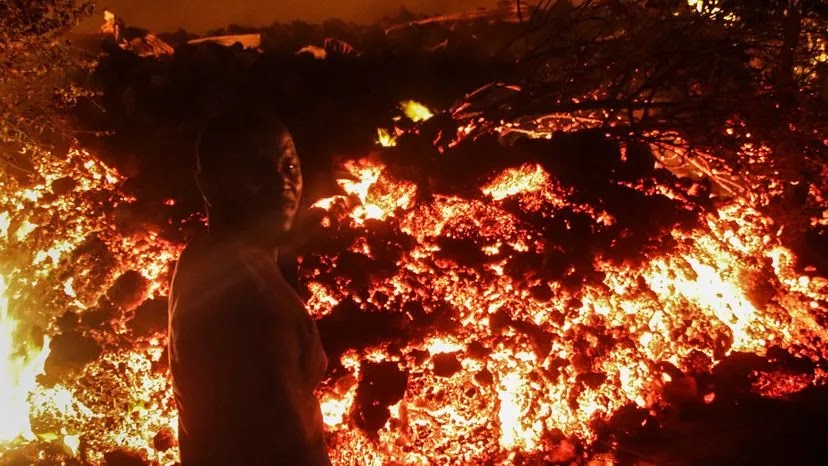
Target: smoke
<point x="198" y="17"/>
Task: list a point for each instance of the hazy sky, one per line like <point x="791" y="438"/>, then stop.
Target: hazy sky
<point x="200" y="15"/>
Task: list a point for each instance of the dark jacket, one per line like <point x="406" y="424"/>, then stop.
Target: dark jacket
<point x="245" y="359"/>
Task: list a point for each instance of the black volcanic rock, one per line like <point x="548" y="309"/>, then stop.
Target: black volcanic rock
<point x="164" y="439"/>
<point x="380" y="386"/>
<point x="150" y="316"/>
<point x="69" y="352"/>
<point x="446" y="364"/>
<point x="128" y="291"/>
<point x="124" y="458"/>
<point x="63" y="185"/>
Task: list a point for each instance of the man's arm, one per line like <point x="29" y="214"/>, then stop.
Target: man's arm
<point x="316" y="360"/>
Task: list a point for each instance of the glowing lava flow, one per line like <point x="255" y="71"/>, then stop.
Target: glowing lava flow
<point x="523" y="365"/>
<point x="62" y="252"/>
<point x="18" y="370"/>
<point x="498" y="350"/>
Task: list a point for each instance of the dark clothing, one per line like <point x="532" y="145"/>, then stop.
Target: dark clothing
<point x="245" y="358"/>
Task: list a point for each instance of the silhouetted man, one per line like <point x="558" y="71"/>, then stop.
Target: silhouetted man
<point x="245" y="355"/>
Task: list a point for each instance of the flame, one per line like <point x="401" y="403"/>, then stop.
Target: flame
<point x="23" y="231"/>
<point x="385" y="139"/>
<point x="336" y="403"/>
<point x="72" y="442"/>
<point x="526" y="179"/>
<point x="5" y="222"/>
<point x="515" y="408"/>
<point x="18" y="374"/>
<point x="415" y="111"/>
<point x="374" y="202"/>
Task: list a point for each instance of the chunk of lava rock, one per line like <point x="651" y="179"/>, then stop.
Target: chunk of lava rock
<point x="151" y="316"/>
<point x="63" y="185"/>
<point x="69" y="352"/>
<point x="129" y="290"/>
<point x="164" y="439"/>
<point x="446" y="364"/>
<point x="124" y="458"/>
<point x="380" y="386"/>
<point x="564" y="452"/>
<point x="681" y="390"/>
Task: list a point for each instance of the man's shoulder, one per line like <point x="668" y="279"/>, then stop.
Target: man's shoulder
<point x="206" y="265"/>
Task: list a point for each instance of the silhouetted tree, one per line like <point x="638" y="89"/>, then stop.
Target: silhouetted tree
<point x="36" y="63"/>
<point x="778" y="27"/>
<point x="702" y="81"/>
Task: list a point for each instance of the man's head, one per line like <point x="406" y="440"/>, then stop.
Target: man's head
<point x="249" y="175"/>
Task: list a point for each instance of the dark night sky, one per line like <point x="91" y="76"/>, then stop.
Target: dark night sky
<point x="199" y="15"/>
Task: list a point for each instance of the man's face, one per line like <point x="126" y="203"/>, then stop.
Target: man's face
<point x="264" y="193"/>
<point x="289" y="178"/>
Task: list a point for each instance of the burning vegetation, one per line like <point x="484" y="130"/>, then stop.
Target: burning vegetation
<point x="517" y="277"/>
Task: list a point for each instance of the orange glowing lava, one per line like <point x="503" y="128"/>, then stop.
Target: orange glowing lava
<point x="512" y="360"/>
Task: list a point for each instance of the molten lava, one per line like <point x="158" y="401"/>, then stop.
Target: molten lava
<point x="689" y="300"/>
<point x="484" y="359"/>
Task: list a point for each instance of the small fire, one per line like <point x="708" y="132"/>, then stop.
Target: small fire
<point x="382" y="204"/>
<point x="385" y="139"/>
<point x="525" y="179"/>
<point x="415" y="111"/>
<point x="72" y="442"/>
<point x="515" y="406"/>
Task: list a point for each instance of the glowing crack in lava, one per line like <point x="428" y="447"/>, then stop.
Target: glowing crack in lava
<point x="486" y="359"/>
